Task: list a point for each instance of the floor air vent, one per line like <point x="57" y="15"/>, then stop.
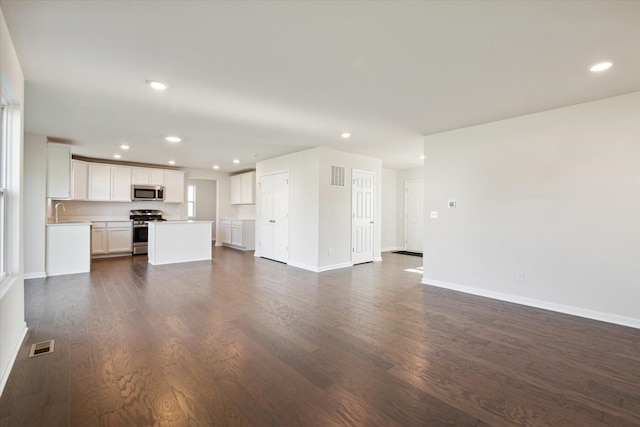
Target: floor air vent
<point x="40" y="348"/>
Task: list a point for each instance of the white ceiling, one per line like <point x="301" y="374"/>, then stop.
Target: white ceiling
<point x="267" y="78"/>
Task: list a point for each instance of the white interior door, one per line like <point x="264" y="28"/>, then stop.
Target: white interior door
<point x="362" y="225"/>
<point x="274" y="216"/>
<point x="414" y="218"/>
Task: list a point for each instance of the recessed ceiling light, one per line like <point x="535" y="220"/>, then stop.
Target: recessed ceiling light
<point x="124" y="147"/>
<point x="216" y="167"/>
<point x="236" y="161"/>
<point x="421" y="157"/>
<point x="173" y="139"/>
<point x="172" y="162"/>
<point x="601" y="66"/>
<point x="116" y="156"/>
<point x="345" y="135"/>
<point x="156" y="85"/>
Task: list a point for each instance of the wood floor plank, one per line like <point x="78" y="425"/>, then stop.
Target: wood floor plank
<point x="244" y="341"/>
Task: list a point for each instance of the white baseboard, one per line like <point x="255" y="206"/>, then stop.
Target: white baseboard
<point x="303" y="266"/>
<point x="320" y="269"/>
<point x="12" y="359"/>
<point x="377" y="259"/>
<point x="560" y="308"/>
<point x="392" y="248"/>
<point x="334" y="266"/>
<point x="35" y="275"/>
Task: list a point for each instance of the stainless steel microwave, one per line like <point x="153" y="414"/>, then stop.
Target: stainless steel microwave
<point x="147" y="192"/>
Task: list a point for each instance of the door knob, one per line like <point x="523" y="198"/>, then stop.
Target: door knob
<point x="370" y="222"/>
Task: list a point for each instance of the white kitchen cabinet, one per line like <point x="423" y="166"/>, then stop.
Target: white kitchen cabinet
<point x="225" y="231"/>
<point x="79" y="180"/>
<point x="174" y="186"/>
<point x="58" y="171"/>
<point x="243" y="189"/>
<point x="111" y="237"/>
<point x="99" y="239"/>
<point x="119" y="237"/>
<point x="147" y="176"/>
<point x="120" y="184"/>
<point x="238" y="233"/>
<point x="99" y="182"/>
<point x="236" y="189"/>
<point x="140" y="176"/>
<point x="156" y="177"/>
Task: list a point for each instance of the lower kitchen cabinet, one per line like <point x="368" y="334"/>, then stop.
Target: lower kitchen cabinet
<point x="111" y="238"/>
<point x="238" y="233"/>
<point x="99" y="239"/>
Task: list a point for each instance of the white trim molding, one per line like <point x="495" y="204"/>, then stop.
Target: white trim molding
<point x="38" y="275"/>
<point x="12" y="359"/>
<point x="560" y="308"/>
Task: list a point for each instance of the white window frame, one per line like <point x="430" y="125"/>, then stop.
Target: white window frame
<point x="4" y="143"/>
<point x="191" y="201"/>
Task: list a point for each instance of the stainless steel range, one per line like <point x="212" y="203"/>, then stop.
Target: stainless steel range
<point x="141" y="218"/>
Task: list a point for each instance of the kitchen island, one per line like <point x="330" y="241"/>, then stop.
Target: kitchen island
<point x="68" y="247"/>
<point x="179" y="241"/>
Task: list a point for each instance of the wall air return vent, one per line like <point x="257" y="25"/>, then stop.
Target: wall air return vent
<point x="337" y="176"/>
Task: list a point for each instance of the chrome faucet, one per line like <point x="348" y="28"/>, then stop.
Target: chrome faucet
<point x="56" y="208"/>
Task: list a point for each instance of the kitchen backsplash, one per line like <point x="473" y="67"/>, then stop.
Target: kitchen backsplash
<point x="75" y="208"/>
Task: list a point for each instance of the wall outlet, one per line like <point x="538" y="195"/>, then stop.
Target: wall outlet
<point x="520" y="276"/>
<point x="434" y="214"/>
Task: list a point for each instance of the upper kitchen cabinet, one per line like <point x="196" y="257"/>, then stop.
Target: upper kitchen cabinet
<point x="146" y="176"/>
<point x="109" y="183"/>
<point x="243" y="189"/>
<point x="99" y="182"/>
<point x="174" y="186"/>
<point x="79" y="180"/>
<point x="120" y="184"/>
<point x="58" y="171"/>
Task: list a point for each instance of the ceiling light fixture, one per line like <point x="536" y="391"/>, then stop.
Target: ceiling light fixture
<point x="172" y="162"/>
<point x="124" y="147"/>
<point x="345" y="135"/>
<point x="601" y="67"/>
<point x="216" y="167"/>
<point x="173" y="139"/>
<point x="236" y="161"/>
<point x="156" y="85"/>
<point x="116" y="156"/>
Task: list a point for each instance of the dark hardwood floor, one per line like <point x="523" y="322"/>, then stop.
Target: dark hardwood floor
<point x="246" y="341"/>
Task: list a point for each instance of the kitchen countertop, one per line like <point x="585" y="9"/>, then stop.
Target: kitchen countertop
<point x="68" y="223"/>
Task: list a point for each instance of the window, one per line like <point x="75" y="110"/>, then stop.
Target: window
<point x="191" y="201"/>
<point x="4" y="138"/>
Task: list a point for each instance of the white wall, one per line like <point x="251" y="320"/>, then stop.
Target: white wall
<point x="12" y="325"/>
<point x="223" y="190"/>
<point x="35" y="207"/>
<point x="206" y="197"/>
<point x="335" y="207"/>
<point x="390" y="214"/>
<point x="404" y="176"/>
<point x="303" y="204"/>
<point x="319" y="214"/>
<point x="555" y="195"/>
